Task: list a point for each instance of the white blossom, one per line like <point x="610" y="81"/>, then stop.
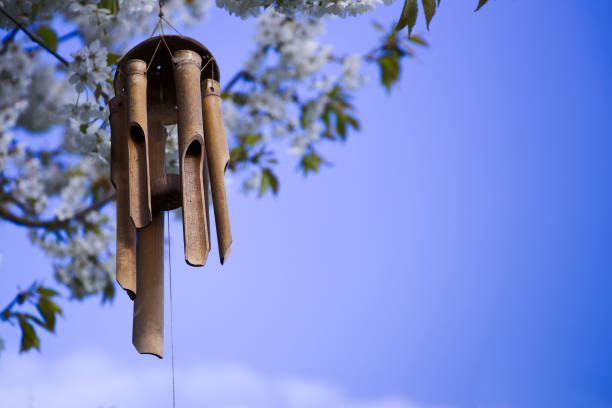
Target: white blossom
<point x="30" y="188"/>
<point x="171" y="155"/>
<point x="71" y="198"/>
<point x="291" y="74"/>
<point x="45" y="100"/>
<point x="350" y="72"/>
<point x="5" y="140"/>
<point x="90" y="68"/>
<point x="16" y="69"/>
<point x="342" y="8"/>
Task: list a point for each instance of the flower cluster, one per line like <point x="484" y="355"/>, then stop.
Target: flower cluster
<point x="90" y="68"/>
<point x="16" y="69"/>
<point x="292" y="82"/>
<point x="320" y="8"/>
<point x="292" y="90"/>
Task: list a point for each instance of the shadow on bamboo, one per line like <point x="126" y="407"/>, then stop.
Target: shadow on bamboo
<point x="140" y="190"/>
<point x="126" y="232"/>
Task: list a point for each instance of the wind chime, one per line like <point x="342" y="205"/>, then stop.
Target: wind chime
<point x="154" y="89"/>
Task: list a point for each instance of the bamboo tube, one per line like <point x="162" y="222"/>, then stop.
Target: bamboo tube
<point x="157" y="154"/>
<point x="140" y="189"/>
<point x="165" y="188"/>
<point x="191" y="155"/>
<point x="207" y="197"/>
<point x="117" y="122"/>
<point x="148" y="334"/>
<point x="217" y="154"/>
<point x="148" y="329"/>
<point x="126" y="233"/>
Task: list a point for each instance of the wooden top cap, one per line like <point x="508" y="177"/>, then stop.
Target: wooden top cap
<point x="160" y="73"/>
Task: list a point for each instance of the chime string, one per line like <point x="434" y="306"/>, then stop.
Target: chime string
<point x="210" y="58"/>
<point x="153" y="56"/>
<point x="160" y="23"/>
<point x="171" y="310"/>
<point x="170" y="25"/>
<point x="155" y="28"/>
<point x="162" y="16"/>
<point x="163" y="38"/>
<point x="160" y="26"/>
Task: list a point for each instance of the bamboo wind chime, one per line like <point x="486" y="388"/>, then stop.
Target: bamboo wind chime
<point x="156" y="87"/>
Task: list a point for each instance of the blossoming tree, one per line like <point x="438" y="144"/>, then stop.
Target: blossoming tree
<point x="293" y="91"/>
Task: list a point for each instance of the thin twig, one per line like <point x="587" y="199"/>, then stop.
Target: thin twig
<point x="67" y="36"/>
<point x="33" y="36"/>
<point x="54" y="223"/>
<point x="235" y="78"/>
<point x="9" y="37"/>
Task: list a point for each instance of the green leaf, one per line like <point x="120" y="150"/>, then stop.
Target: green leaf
<point x="341" y="125"/>
<point x="408" y="16"/>
<point x="238" y="154"/>
<point x="29" y="338"/>
<point x="239" y="99"/>
<point x="111" y="5"/>
<point x="35" y="8"/>
<point x="47" y="314"/>
<point x="480" y="4"/>
<point x="378" y="26"/>
<point x="430" y="9"/>
<point x="418" y="40"/>
<point x="354" y="122"/>
<point x="268" y="179"/>
<point x="48" y="309"/>
<point x="98" y="92"/>
<point x="310" y="162"/>
<point x="265" y="183"/>
<point x="112" y="59"/>
<point x="46" y="292"/>
<point x="108" y="293"/>
<point x="389" y="70"/>
<point x="48" y="37"/>
<point x="252" y="139"/>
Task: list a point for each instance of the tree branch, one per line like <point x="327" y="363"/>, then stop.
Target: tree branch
<point x="9" y="37"/>
<point x="235" y="78"/>
<point x="54" y="223"/>
<point x="33" y="36"/>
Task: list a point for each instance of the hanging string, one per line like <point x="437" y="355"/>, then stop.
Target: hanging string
<point x="153" y="56"/>
<point x="171" y="310"/>
<point x="163" y="38"/>
<point x="162" y="17"/>
<point x="160" y="25"/>
<point x="210" y="58"/>
<point x="155" y="28"/>
<point x="171" y="26"/>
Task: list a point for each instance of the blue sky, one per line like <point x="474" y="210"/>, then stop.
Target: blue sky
<point x="455" y="255"/>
